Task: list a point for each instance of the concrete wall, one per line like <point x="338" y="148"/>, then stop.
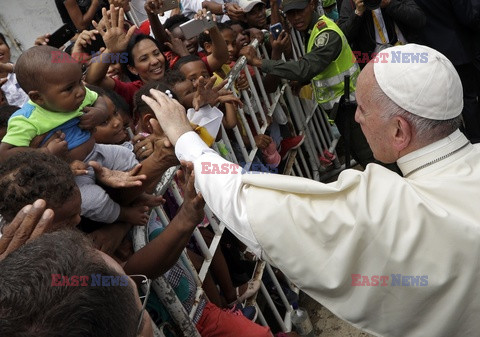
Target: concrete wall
<point x="25" y="20"/>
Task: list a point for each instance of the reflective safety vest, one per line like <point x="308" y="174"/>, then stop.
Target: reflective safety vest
<point x="328" y="86"/>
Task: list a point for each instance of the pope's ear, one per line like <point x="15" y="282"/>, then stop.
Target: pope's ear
<point x="403" y="133"/>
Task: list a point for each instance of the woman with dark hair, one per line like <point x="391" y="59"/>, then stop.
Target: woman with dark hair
<point x="145" y="60"/>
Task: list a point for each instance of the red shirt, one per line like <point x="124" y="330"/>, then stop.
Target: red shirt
<point x="127" y="90"/>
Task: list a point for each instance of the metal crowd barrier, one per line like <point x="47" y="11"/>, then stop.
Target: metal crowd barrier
<point x="306" y="118"/>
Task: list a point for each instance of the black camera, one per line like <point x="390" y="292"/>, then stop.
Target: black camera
<point x="372" y="4"/>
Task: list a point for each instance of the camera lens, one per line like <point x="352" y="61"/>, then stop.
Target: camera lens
<point x="372" y="4"/>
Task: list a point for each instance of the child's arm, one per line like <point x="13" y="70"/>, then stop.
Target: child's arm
<point x="230" y="116"/>
<point x="168" y="246"/>
<point x="56" y="145"/>
<point x="271" y="82"/>
<point x="153" y="9"/>
<point x="116" y="41"/>
<point x="219" y="55"/>
<point x="81" y="21"/>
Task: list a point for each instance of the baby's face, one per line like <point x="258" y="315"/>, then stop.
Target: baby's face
<point x="63" y="90"/>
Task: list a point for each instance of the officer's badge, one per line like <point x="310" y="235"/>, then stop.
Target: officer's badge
<point x="322" y="39"/>
<point x="321" y="24"/>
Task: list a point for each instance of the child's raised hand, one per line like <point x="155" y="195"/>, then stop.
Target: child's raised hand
<point x="154" y="7"/>
<point x="112" y="30"/>
<point x="193" y="202"/>
<point x="92" y="117"/>
<point x="42" y="40"/>
<point x="84" y="39"/>
<point x="208" y="94"/>
<point x="176" y="45"/>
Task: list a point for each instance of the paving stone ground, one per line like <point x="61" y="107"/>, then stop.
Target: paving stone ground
<point x="327" y="324"/>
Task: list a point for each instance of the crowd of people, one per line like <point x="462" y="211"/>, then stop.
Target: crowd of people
<point x="88" y="131"/>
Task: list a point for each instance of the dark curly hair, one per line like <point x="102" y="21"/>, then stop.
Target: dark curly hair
<point x="31" y="175"/>
<point x="140" y="107"/>
<point x="174" y="21"/>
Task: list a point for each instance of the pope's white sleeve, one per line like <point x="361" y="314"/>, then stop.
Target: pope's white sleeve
<point x="220" y="183"/>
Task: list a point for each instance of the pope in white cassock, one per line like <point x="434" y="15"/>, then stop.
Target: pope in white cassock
<point x="392" y="255"/>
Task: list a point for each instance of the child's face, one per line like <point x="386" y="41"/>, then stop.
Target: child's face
<point x="4" y="52"/>
<point x="230" y="39"/>
<point x="112" y="130"/>
<point x="241" y="39"/>
<point x="115" y="71"/>
<point x="63" y="90"/>
<point x="193" y="71"/>
<point x="185" y="92"/>
<point x="191" y="44"/>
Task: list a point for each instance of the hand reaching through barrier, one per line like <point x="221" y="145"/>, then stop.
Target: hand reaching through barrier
<point x="117" y="179"/>
<point x="207" y="93"/>
<point x="193" y="202"/>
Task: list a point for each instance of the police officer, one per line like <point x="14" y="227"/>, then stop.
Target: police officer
<point x="327" y="60"/>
